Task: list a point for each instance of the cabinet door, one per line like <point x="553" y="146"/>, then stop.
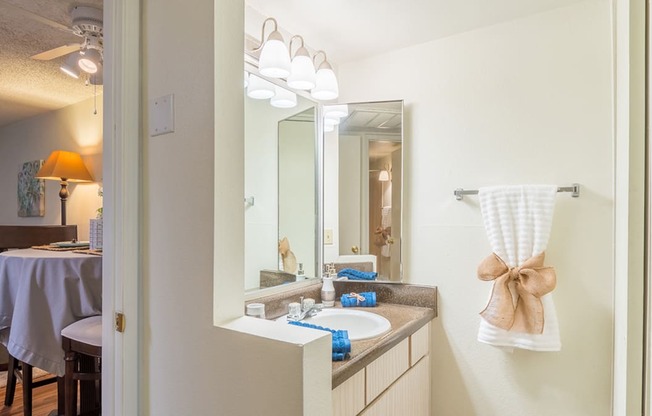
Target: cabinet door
<point x="382" y="372"/>
<point x="348" y="397"/>
<point x="410" y="395"/>
<point x="419" y="344"/>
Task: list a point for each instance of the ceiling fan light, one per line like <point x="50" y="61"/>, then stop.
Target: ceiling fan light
<point x="97" y="78"/>
<point x="259" y="89"/>
<point x="69" y="67"/>
<point x="326" y="87"/>
<point x="89" y="61"/>
<point x="302" y="74"/>
<point x="274" y="61"/>
<point x="283" y="98"/>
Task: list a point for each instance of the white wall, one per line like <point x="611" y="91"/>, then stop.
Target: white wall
<point x="526" y="101"/>
<point x="193" y="181"/>
<point x="73" y="128"/>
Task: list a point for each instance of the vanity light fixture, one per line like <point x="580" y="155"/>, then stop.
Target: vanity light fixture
<point x="259" y="88"/>
<point x="302" y="75"/>
<point x="326" y="87"/>
<point x="283" y="98"/>
<point x="329" y="127"/>
<point x="274" y="61"/>
<point x="89" y="60"/>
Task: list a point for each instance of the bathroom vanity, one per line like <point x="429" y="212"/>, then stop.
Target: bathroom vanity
<point x="388" y="374"/>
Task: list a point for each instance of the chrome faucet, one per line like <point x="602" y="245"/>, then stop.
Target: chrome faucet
<point x="303" y="310"/>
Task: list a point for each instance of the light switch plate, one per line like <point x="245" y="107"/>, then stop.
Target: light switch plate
<point x="161" y="115"/>
<point x="328" y="237"/>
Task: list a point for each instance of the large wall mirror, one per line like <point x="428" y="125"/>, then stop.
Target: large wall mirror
<point x="281" y="192"/>
<point x="363" y="187"/>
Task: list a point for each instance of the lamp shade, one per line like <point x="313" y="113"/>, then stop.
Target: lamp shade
<point x="383" y="176"/>
<point x="326" y="87"/>
<point x="259" y="88"/>
<point x="302" y="76"/>
<point x="63" y="165"/>
<point x="337" y="110"/>
<point x="283" y="98"/>
<point x="274" y="61"/>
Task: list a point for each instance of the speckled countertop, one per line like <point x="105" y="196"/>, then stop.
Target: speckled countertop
<point x="405" y="321"/>
<point x="407" y="307"/>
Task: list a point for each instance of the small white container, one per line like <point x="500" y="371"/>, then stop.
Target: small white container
<point x="257" y="310"/>
<point x="327" y="292"/>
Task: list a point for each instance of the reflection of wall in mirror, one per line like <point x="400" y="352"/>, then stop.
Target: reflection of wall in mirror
<point x="296" y="190"/>
<point x="261" y="165"/>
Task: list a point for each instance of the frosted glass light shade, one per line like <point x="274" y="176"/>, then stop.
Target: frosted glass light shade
<point x="259" y="88"/>
<point x="89" y="61"/>
<point x="274" y="61"/>
<point x="333" y="121"/>
<point x="70" y="67"/>
<point x="302" y="74"/>
<point x="283" y="98"/>
<point x="339" y="110"/>
<point x="326" y="87"/>
<point x="383" y="176"/>
<point x="329" y="127"/>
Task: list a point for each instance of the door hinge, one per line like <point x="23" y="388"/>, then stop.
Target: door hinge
<point x="119" y="322"/>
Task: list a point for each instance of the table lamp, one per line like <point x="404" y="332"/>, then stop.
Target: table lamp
<point x="65" y="167"/>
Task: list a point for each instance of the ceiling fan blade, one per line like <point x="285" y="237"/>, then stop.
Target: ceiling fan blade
<point x="36" y="17"/>
<point x="57" y="52"/>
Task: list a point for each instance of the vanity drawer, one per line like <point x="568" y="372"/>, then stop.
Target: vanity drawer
<point x="419" y="344"/>
<point x="386" y="369"/>
<point x="349" y="397"/>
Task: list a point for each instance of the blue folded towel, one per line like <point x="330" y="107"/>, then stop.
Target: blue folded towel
<point x="353" y="274"/>
<point x="341" y="343"/>
<point x="353" y="300"/>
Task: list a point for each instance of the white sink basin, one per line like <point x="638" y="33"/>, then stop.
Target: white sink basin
<point x="359" y="324"/>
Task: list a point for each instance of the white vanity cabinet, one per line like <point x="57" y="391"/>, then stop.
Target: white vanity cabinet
<point x="396" y="383"/>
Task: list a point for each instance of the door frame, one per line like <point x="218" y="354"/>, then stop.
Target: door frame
<point x="122" y="155"/>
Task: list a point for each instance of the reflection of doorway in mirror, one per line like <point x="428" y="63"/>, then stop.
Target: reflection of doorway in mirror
<point x="384" y="196"/>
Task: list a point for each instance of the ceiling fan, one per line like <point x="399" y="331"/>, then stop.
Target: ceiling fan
<point x="85" y="58"/>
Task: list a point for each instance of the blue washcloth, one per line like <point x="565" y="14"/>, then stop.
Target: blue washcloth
<point x="341" y="343"/>
<point x="354" y="300"/>
<point x="353" y="274"/>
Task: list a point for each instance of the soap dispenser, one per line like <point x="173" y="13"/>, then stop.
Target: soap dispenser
<point x="327" y="292"/>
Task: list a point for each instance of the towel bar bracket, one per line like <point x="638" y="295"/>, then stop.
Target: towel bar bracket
<point x="573" y="189"/>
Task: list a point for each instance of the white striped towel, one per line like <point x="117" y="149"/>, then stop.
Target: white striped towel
<point x="518" y="221"/>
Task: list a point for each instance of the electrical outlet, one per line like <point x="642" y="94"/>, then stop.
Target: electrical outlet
<point x="328" y="237"/>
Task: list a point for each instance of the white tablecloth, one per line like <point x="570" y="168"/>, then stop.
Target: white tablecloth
<point x="42" y="292"/>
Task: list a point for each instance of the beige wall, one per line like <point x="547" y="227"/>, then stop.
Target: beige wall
<point x="526" y="101"/>
<point x="74" y="128"/>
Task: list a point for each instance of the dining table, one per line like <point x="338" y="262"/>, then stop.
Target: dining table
<point x="41" y="292"/>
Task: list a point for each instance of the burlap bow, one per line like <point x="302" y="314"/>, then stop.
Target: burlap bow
<point x="515" y="302"/>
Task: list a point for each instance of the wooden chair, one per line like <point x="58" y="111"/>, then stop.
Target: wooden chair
<point x="25" y="236"/>
<point x="83" y="340"/>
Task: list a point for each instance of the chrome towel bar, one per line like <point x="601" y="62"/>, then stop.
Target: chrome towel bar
<point x="574" y="189"/>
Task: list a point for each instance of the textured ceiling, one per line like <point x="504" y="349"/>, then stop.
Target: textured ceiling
<point x="29" y="87"/>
